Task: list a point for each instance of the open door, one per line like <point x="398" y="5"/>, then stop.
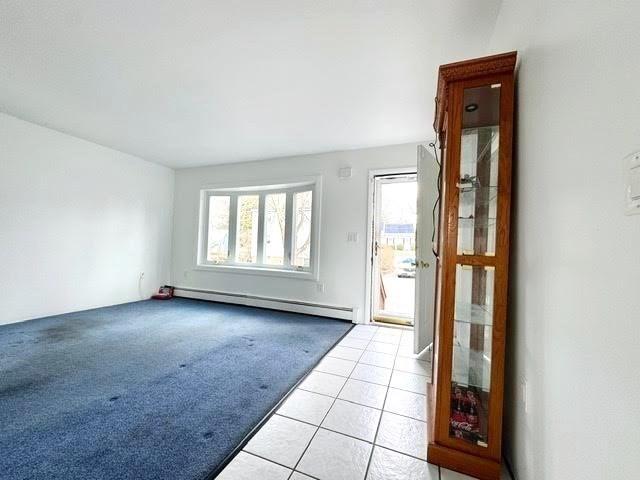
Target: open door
<point x="393" y="256"/>
<point x="427" y="196"/>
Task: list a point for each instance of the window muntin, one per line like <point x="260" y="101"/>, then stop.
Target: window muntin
<point x="265" y="228"/>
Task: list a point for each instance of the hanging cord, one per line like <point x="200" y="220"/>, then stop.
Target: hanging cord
<point x="437" y="202"/>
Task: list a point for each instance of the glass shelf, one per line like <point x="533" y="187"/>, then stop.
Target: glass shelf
<point x="477" y="211"/>
<point x="468" y="222"/>
<point x="472" y="196"/>
<point x="472" y="350"/>
<point x="473" y="321"/>
<point x="475" y="314"/>
<point x="478" y="190"/>
<point x="471" y="368"/>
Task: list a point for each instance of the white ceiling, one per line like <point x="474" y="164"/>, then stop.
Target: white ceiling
<point x="187" y="83"/>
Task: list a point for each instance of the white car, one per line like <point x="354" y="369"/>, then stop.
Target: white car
<point x="406" y="268"/>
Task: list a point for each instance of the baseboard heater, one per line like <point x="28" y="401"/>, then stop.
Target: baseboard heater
<point x="331" y="311"/>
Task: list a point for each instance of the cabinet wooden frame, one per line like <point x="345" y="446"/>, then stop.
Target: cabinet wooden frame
<point x="443" y="449"/>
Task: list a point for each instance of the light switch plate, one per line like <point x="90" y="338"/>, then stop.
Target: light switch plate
<point x="632" y="190"/>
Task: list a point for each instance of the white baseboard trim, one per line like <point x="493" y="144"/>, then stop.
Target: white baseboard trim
<point x="331" y="311"/>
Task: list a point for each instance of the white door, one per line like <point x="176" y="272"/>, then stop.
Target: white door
<point x="393" y="256"/>
<point x="425" y="259"/>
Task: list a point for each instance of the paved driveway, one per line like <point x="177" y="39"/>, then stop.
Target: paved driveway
<point x="400" y="295"/>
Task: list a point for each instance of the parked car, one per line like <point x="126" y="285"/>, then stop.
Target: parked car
<point x="406" y="268"/>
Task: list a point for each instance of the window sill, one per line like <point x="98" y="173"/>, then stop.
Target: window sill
<point x="252" y="270"/>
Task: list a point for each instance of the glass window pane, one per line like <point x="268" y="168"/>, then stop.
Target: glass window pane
<point x="274" y="220"/>
<point x="247" y="229"/>
<point x="218" y="232"/>
<point x="302" y="203"/>
<point x="471" y="371"/>
<point x="479" y="171"/>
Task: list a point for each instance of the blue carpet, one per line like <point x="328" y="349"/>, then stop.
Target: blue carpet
<point x="146" y="390"/>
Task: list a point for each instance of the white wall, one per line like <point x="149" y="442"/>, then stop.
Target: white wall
<point x="344" y="209"/>
<point x="576" y="262"/>
<point x="78" y="223"/>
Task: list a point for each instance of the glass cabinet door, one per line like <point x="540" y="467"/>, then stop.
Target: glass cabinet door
<point x="474" y="284"/>
<point x="478" y="184"/>
<point x="471" y="366"/>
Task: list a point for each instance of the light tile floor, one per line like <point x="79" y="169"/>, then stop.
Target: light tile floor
<point x="361" y="414"/>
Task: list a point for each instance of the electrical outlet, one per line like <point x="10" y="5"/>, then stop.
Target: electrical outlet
<point x="345" y="173"/>
<point x="320" y="287"/>
<point x="185" y="274"/>
<point x="352" y="237"/>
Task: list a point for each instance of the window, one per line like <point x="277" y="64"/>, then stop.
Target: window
<point x="218" y="234"/>
<point x="259" y="228"/>
<point x="302" y="202"/>
<point x="247" y="233"/>
<point x="274" y="217"/>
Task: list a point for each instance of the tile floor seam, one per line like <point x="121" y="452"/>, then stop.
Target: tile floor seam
<point x="397" y="388"/>
<point x="298" y="420"/>
<point x="317" y="427"/>
<point x="262" y="458"/>
<point x="341" y="358"/>
<point x="305" y="474"/>
<point x="308" y="444"/>
<point x="375" y="437"/>
<point x="393" y="369"/>
<point x="346" y="435"/>
<point x="384" y="385"/>
<point x="373" y="444"/>
<point x="323" y="419"/>
<point x="317" y="393"/>
<point x="336" y="374"/>
<point x="373" y="364"/>
<point x="387" y="387"/>
<point x="266" y="423"/>
<point x="398" y="451"/>
<point x="360" y="405"/>
<point x="388" y="343"/>
<point x="395" y="360"/>
<point x="302" y="473"/>
<point x="373" y="383"/>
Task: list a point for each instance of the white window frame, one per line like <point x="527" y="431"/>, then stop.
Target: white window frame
<point x="233" y="191"/>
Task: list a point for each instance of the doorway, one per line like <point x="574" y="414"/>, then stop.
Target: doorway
<point x="393" y="255"/>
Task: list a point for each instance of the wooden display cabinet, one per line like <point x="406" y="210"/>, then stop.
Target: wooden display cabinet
<point x="474" y="124"/>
